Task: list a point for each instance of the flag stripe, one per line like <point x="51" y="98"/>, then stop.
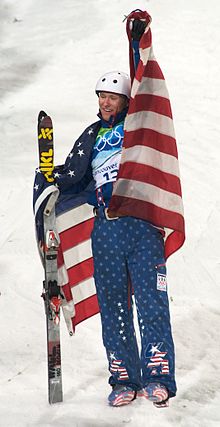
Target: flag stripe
<point x="78" y="254"/>
<point x="150" y="120"/>
<point x="163" y="143"/>
<point x="151" y="157"/>
<point x="81" y="271"/>
<point x="149" y="86"/>
<point x="149" y="102"/>
<point x="138" y="172"/>
<point x="86" y="309"/>
<point x="153" y="70"/>
<point x="149" y="193"/>
<point x="81" y="233"/>
<point x="73" y="217"/>
<point x="151" y="213"/>
<point x="83" y="290"/>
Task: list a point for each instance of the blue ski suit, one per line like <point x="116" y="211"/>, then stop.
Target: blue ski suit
<point x="129" y="265"/>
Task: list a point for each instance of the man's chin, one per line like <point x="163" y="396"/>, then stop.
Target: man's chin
<point x="106" y="117"/>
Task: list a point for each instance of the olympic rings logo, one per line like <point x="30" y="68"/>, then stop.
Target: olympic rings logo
<point x="112" y="138"/>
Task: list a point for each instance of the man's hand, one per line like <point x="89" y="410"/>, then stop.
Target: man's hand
<point x="138" y="28"/>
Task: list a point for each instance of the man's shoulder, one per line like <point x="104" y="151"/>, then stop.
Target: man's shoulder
<point x="88" y="136"/>
<point x="92" y="129"/>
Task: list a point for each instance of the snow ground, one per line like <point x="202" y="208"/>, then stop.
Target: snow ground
<point x="51" y="56"/>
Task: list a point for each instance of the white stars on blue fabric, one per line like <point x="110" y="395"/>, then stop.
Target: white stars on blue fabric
<point x="131" y="246"/>
<point x="81" y="153"/>
<point x="57" y="175"/>
<point x="112" y="356"/>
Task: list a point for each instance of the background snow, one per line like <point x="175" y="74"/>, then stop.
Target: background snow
<point x="52" y="53"/>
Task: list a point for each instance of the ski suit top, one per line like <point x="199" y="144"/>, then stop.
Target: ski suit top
<point x="92" y="165"/>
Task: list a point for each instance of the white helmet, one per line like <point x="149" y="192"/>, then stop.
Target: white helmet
<point x="115" y="82"/>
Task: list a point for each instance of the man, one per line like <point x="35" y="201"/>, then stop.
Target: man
<point x="128" y="253"/>
<point x="128" y="248"/>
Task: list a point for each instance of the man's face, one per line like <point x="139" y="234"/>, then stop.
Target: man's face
<point x="110" y="104"/>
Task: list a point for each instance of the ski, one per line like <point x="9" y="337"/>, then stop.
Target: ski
<point x="51" y="290"/>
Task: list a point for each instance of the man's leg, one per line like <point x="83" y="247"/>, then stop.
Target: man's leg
<point x="113" y="291"/>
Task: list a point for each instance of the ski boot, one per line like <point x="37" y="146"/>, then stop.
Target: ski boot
<point x="158" y="394"/>
<point x="121" y="395"/>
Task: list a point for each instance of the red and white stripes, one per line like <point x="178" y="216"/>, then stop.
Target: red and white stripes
<point x="148" y="184"/>
<point x="75" y="262"/>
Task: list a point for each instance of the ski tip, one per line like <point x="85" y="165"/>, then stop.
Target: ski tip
<point x="41" y="116"/>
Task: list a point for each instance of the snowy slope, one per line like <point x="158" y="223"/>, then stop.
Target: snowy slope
<point x="52" y="53"/>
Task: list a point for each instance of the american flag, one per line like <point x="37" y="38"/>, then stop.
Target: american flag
<point x="148" y="182"/>
<point x="147" y="186"/>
